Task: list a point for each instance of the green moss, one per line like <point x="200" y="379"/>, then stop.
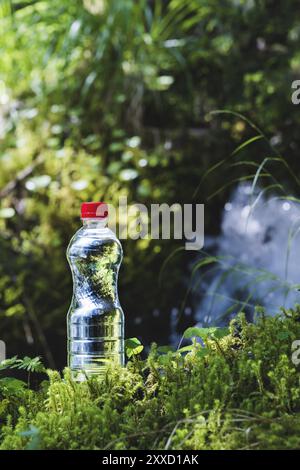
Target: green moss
<point x="242" y="394"/>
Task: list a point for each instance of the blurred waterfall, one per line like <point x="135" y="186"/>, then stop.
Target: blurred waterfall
<point x="259" y="258"/>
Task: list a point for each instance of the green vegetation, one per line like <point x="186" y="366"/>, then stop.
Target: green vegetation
<point x="240" y="391"/>
<point x="106" y="98"/>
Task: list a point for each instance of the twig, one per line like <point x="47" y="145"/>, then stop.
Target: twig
<point x="22" y="175"/>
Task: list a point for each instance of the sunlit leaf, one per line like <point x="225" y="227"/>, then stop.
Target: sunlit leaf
<point x="133" y="346"/>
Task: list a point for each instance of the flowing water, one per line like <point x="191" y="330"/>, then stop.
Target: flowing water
<point x="259" y="258"/>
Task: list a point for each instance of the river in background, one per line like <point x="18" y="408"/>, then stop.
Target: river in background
<point x="257" y="261"/>
<point x="258" y="253"/>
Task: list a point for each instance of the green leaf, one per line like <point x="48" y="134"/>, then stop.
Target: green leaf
<point x="164" y="359"/>
<point x="247" y="142"/>
<point x="165" y="349"/>
<point x="204" y="333"/>
<point x="27" y="363"/>
<point x="194" y="331"/>
<point x="8" y="363"/>
<point x="188" y="348"/>
<point x="219" y="333"/>
<point x="202" y="352"/>
<point x="30" y="364"/>
<point x="11" y="385"/>
<point x="282" y="335"/>
<point x="133" y="346"/>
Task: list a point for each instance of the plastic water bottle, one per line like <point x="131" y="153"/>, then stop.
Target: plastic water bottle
<point x="95" y="317"/>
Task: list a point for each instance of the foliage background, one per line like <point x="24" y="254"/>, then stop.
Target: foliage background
<point x="99" y="99"/>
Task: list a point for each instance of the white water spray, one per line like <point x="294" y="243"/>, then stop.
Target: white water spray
<point x="259" y="258"/>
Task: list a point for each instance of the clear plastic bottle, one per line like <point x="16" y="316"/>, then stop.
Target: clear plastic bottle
<point x="95" y="318"/>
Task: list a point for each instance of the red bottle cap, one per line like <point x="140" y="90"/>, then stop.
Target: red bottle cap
<point x="94" y="210"/>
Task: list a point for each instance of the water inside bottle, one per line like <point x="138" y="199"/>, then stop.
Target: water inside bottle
<point x="95" y="318"/>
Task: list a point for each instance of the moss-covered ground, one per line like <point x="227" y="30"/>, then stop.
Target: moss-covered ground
<point x="240" y="391"/>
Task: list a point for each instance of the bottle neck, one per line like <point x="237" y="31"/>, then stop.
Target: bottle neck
<point x="95" y="223"/>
